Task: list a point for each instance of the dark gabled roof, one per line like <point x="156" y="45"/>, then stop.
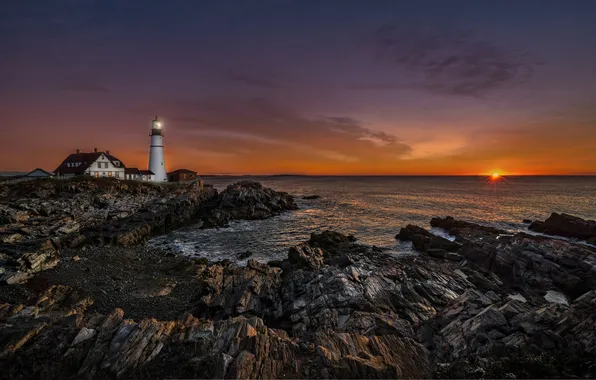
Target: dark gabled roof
<point x="138" y="171"/>
<point x="182" y="171"/>
<point x="132" y="171"/>
<point x="86" y="160"/>
<point x="41" y="170"/>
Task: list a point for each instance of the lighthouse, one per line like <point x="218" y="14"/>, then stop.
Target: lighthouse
<point x="157" y="160"/>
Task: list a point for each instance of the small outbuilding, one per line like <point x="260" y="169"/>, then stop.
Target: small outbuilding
<point x="136" y="174"/>
<point x="182" y="175"/>
<point x="38" y="173"/>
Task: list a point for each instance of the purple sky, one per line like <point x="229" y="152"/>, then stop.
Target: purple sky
<point x="288" y="86"/>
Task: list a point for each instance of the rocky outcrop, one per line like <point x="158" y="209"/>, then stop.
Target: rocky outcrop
<point x="158" y="217"/>
<point x="72" y="213"/>
<point x="45" y="216"/>
<point x="472" y="313"/>
<point x="119" y="212"/>
<point x="245" y="200"/>
<point x="567" y="226"/>
<point x="424" y="241"/>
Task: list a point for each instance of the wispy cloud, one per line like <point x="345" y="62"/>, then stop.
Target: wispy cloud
<point x="268" y="129"/>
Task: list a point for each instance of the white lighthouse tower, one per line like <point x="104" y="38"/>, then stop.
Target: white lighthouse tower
<point x="157" y="160"/>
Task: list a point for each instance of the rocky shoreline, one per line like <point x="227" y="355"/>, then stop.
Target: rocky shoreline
<point x="489" y="304"/>
<point x="40" y="218"/>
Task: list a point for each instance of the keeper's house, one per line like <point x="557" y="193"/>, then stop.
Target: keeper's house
<point x="96" y="164"/>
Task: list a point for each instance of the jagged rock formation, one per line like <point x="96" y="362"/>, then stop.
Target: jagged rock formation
<point x="510" y="306"/>
<point x="41" y="217"/>
<point x="245" y="200"/>
<point x="109" y="346"/>
<point x="508" y="293"/>
<point x="566" y="225"/>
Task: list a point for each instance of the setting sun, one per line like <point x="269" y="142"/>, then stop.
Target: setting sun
<point x="495" y="175"/>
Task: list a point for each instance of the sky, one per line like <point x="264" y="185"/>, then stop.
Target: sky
<point x="327" y="87"/>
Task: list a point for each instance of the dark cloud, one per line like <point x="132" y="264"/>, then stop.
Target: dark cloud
<point x="455" y="62"/>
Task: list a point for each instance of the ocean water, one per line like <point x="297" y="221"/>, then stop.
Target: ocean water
<point x="374" y="209"/>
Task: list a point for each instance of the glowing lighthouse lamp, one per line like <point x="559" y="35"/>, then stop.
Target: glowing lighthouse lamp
<point x="157" y="160"/>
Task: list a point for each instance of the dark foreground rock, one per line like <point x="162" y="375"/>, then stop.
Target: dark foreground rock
<point x="511" y="294"/>
<point x="102" y="346"/>
<point x="567" y="226"/>
<point x="335" y="309"/>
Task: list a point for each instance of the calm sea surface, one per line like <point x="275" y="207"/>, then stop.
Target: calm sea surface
<point x="374" y="208"/>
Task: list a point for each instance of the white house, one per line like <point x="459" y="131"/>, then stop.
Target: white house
<point x="96" y="164"/>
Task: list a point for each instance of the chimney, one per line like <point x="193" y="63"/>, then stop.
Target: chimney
<point x="94" y="150"/>
<point x="107" y="152"/>
<point x="78" y="151"/>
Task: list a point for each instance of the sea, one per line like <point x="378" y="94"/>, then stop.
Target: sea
<point x="373" y="209"/>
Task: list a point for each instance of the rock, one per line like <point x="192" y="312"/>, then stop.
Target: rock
<point x="527" y="221"/>
<point x="311" y="197"/>
<point x="451" y="224"/>
<point x="358" y="356"/>
<point x="556" y="297"/>
<point x="424" y="241"/>
<point x="76" y="258"/>
<point x="245" y="200"/>
<point x="304" y="256"/>
<point x="244" y="255"/>
<point x="442" y="254"/>
<point x="567" y="226"/>
<point x="26" y="259"/>
<point x="535" y="262"/>
<point x="226" y="290"/>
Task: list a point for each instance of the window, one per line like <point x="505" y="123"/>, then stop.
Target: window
<point x="117" y="163"/>
<point x="110" y="174"/>
<point x="117" y="175"/>
<point x="96" y="174"/>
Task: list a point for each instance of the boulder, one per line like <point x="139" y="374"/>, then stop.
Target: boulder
<point x="424" y="241"/>
<point x="566" y="225"/>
